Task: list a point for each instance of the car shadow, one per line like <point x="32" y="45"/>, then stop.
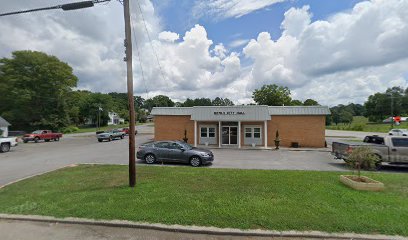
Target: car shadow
<point x="172" y="164"/>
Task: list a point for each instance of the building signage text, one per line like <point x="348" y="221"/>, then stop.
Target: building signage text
<point x="229" y="113"/>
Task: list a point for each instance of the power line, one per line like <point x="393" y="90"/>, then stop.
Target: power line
<point x="140" y="59"/>
<point x="151" y="44"/>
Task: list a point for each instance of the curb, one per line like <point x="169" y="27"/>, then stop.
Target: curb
<point x="197" y="229"/>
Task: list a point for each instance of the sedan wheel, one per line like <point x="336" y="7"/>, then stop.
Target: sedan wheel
<point x="150" y="159"/>
<point x="5" y="147"/>
<point x="195" y="161"/>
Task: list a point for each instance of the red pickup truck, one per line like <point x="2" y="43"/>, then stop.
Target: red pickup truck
<point x="46" y="135"/>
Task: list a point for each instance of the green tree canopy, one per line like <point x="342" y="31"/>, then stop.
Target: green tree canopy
<point x="158" y="101"/>
<point x="310" y="102"/>
<point x="34" y="88"/>
<point x="272" y="95"/>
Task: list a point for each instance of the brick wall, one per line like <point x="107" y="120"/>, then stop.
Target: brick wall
<point x="309" y="131"/>
<point x="172" y="128"/>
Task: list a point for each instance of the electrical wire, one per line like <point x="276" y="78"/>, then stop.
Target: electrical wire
<point x="140" y="59"/>
<point x="151" y="44"/>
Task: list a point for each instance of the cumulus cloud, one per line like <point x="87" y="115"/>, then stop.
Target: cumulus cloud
<point x="341" y="59"/>
<point x="169" y="36"/>
<point x="221" y="9"/>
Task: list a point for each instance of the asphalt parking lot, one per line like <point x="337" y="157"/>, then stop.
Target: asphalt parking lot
<point x="30" y="159"/>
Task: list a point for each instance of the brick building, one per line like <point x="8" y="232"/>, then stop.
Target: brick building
<point x="242" y="126"/>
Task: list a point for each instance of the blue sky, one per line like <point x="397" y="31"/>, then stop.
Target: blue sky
<point x="176" y="16"/>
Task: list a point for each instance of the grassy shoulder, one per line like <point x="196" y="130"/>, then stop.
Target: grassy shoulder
<point x="246" y="199"/>
<point x="361" y="124"/>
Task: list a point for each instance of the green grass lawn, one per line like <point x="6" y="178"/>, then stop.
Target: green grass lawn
<point x="361" y="124"/>
<point x="246" y="199"/>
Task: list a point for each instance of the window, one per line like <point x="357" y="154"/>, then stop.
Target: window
<point x="175" y="146"/>
<point x="257" y="132"/>
<point x="162" y="145"/>
<point x="211" y="132"/>
<point x="400" y="142"/>
<point x="248" y="132"/>
<point x="204" y="132"/>
<point x="253" y="132"/>
<point x="207" y="132"/>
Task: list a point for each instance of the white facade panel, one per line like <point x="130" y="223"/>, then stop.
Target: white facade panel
<point x="234" y="113"/>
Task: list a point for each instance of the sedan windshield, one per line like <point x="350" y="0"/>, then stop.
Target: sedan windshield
<point x="37" y="132"/>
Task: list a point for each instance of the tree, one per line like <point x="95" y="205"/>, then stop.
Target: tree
<point x="310" y="102"/>
<point x="345" y="116"/>
<point x="197" y="102"/>
<point x="378" y="106"/>
<point x="35" y="87"/>
<point x="158" y="101"/>
<point x="296" y="102"/>
<point x="222" y="102"/>
<point x="272" y="95"/>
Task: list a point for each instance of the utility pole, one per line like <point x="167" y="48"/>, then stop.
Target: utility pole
<point x="392" y="111"/>
<point x="129" y="64"/>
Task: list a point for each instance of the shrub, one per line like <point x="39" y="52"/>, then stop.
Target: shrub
<point x="363" y="158"/>
<point x="70" y="129"/>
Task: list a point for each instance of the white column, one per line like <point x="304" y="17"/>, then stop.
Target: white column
<point x="195" y="133"/>
<point x="266" y="133"/>
<point x="219" y="134"/>
<point x="239" y="134"/>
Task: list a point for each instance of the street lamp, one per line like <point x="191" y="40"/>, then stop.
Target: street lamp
<point x="128" y="59"/>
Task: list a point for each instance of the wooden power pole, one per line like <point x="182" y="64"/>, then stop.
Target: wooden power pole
<point x="129" y="62"/>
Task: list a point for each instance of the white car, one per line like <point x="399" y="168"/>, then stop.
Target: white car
<point x="398" y="132"/>
<point x="7" y="143"/>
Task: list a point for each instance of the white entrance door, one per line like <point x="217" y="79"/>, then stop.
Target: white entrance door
<point x="229" y="135"/>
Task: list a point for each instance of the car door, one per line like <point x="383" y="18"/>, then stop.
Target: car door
<point x="161" y="150"/>
<point x="399" y="149"/>
<point x="46" y="135"/>
<point x="175" y="152"/>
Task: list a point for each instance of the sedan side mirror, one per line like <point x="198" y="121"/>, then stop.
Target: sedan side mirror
<point x="182" y="149"/>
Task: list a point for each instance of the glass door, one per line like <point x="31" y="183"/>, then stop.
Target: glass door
<point x="229" y="135"/>
<point x="225" y="135"/>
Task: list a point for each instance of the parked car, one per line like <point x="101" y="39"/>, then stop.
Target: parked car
<point x="7" y="143"/>
<point x="174" y="151"/>
<point x="392" y="150"/>
<point x="398" y="132"/>
<point x="110" y="135"/>
<point x="126" y="131"/>
<point x="46" y="135"/>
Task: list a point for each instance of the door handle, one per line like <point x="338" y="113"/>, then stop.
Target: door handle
<point x="394" y="150"/>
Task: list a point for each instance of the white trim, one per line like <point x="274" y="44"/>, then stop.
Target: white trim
<point x="266" y="133"/>
<point x="219" y="134"/>
<point x="239" y="134"/>
<point x="195" y="133"/>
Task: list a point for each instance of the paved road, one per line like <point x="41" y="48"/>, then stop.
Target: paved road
<point x="29" y="159"/>
<point x="20" y="230"/>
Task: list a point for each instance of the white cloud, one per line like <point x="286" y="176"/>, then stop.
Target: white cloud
<point x="221" y="9"/>
<point x="238" y="43"/>
<point x="342" y="59"/>
<point x="169" y="36"/>
<point x="345" y="58"/>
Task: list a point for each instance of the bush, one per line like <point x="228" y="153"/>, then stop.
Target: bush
<point x="363" y="158"/>
<point x="70" y="129"/>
